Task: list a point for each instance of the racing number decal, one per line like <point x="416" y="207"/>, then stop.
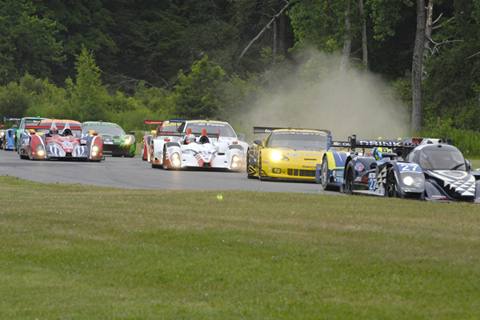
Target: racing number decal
<point x="371" y="181"/>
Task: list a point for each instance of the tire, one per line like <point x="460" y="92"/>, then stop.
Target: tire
<point x="391" y="188"/>
<point x="249" y="176"/>
<point x="349" y="179"/>
<point x="164" y="157"/>
<point x="324" y="175"/>
<point x="152" y="162"/>
<point x="260" y="169"/>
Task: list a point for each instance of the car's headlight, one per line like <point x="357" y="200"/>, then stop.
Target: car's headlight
<point x="175" y="159"/>
<point x="277" y="156"/>
<point x="40" y="150"/>
<point x="2" y="134"/>
<point x="413" y="180"/>
<point x="128" y="140"/>
<point x="235" y="161"/>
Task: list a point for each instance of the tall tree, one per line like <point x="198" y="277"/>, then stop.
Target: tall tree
<point x="417" y="67"/>
<point x="197" y="95"/>
<point x="88" y="95"/>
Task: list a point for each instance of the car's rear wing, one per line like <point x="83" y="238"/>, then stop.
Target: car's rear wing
<point x="154" y="122"/>
<point x="259" y="130"/>
<point x="5" y="119"/>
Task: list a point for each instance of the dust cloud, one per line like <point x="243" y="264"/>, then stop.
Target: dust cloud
<point x="319" y="95"/>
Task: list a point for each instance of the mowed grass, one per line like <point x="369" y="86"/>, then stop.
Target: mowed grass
<point x="80" y="252"/>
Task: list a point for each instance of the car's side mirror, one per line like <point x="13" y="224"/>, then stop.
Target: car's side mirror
<point x="241" y="136"/>
<point x="469" y="166"/>
<point x="258" y="142"/>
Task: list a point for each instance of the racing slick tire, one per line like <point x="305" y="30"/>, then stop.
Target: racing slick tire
<point x="164" y="158"/>
<point x="249" y="175"/>
<point x="349" y="179"/>
<point x="391" y="185"/>
<point x="324" y="175"/>
<point x="260" y="170"/>
<point x="152" y="161"/>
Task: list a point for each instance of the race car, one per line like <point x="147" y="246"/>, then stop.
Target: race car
<point x="448" y="176"/>
<point x="2" y="135"/>
<point x="19" y="128"/>
<point x="199" y="144"/>
<point x="287" y="154"/>
<point x="164" y="128"/>
<point x="432" y="170"/>
<point x="9" y="139"/>
<point x="115" y="141"/>
<point x="59" y="139"/>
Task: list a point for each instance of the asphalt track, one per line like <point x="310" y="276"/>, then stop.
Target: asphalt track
<point x="133" y="173"/>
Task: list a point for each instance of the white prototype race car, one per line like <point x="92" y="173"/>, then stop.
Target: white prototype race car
<point x="207" y="144"/>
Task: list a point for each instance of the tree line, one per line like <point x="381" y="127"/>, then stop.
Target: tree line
<point x="125" y="61"/>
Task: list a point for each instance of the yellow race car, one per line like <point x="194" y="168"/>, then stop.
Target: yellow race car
<point x="287" y="154"/>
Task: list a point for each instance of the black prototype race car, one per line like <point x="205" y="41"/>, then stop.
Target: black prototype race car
<point x="425" y="169"/>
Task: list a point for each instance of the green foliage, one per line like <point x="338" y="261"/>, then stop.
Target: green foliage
<point x="14" y="100"/>
<point x="318" y="23"/>
<point x="197" y="95"/>
<point x="467" y="141"/>
<point x="28" y="42"/>
<point x="385" y="16"/>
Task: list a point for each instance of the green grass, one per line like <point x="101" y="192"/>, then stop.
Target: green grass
<point x="80" y="252"/>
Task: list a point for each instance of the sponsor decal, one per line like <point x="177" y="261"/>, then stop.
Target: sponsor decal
<point x="359" y="166"/>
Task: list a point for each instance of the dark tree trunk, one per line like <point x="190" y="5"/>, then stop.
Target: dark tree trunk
<point x="364" y="35"/>
<point x="347" y="40"/>
<point x="417" y="64"/>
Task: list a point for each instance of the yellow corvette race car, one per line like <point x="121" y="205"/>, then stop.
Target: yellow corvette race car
<point x="287" y="154"/>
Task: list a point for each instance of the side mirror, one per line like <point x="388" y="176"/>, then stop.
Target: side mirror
<point x="258" y="142"/>
<point x="241" y="136"/>
<point x="468" y="165"/>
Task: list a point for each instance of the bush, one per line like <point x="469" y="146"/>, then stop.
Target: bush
<point x="467" y="141"/>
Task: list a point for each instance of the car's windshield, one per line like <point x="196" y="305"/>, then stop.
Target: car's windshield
<point x="104" y="129"/>
<point x="60" y="131"/>
<point x="170" y="127"/>
<point x="212" y="128"/>
<point x="441" y="159"/>
<point x="298" y="140"/>
<point x="31" y="122"/>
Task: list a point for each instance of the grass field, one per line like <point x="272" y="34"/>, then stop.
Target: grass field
<point x="79" y="252"/>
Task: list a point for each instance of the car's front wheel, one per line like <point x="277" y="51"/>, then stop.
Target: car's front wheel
<point x="349" y="179"/>
<point x="324" y="174"/>
<point x="391" y="185"/>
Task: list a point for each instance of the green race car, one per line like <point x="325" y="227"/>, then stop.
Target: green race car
<point x="115" y="141"/>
